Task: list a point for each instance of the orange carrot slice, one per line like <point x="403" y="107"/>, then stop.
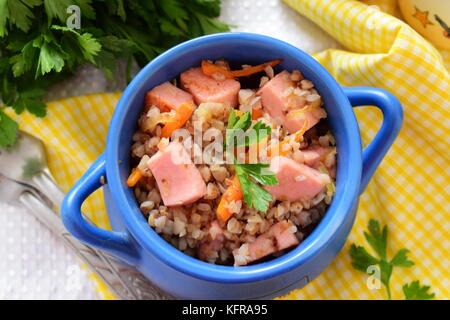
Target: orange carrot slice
<point x="257" y="113"/>
<point x="182" y="114"/>
<point x="233" y="192"/>
<point x="210" y="68"/>
<point x="134" y="177"/>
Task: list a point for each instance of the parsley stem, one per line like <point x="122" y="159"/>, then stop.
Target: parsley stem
<point x="388" y="290"/>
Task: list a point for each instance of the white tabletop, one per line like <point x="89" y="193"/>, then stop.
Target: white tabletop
<point x="35" y="264"/>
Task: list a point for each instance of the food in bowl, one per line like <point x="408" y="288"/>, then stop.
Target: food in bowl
<point x="233" y="166"/>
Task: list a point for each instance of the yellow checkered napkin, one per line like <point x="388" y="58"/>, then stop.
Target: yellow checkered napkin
<point x="410" y="191"/>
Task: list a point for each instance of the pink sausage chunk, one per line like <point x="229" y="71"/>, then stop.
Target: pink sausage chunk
<point x="315" y="155"/>
<point x="279" y="237"/>
<point x="166" y="97"/>
<point x="179" y="181"/>
<point x="205" y="89"/>
<point x="295" y="181"/>
<point x="278" y="103"/>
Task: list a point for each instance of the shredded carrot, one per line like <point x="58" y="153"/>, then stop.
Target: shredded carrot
<point x="182" y="114"/>
<point x="300" y="112"/>
<point x="209" y="69"/>
<point x="257" y="113"/>
<point x="284" y="147"/>
<point x="255" y="69"/>
<point x="233" y="192"/>
<point x="239" y="113"/>
<point x="134" y="177"/>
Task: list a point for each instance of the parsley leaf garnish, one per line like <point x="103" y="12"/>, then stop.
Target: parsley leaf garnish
<point x="8" y="130"/>
<point x="238" y="129"/>
<point x="257" y="171"/>
<point x="254" y="195"/>
<point x="240" y="133"/>
<point x="414" y="291"/>
<point x="361" y="260"/>
<point x="37" y="49"/>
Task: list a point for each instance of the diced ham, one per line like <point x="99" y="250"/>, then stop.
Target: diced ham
<point x="166" y="97"/>
<point x="272" y="95"/>
<point x="263" y="246"/>
<point x="295" y="181"/>
<point x="315" y="155"/>
<point x="282" y="105"/>
<point x="206" y="89"/>
<point x="279" y="237"/>
<point x="284" y="235"/>
<point x="179" y="181"/>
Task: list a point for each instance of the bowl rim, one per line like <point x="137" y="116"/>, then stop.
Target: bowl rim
<point x="322" y="235"/>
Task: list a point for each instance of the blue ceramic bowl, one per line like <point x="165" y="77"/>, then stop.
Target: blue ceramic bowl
<point x="134" y="241"/>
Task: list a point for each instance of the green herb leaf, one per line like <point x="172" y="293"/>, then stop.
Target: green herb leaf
<point x="31" y="167"/>
<point x="173" y="9"/>
<point x="376" y="238"/>
<point x="243" y="122"/>
<point x="8" y="130"/>
<point x="414" y="291"/>
<point x="18" y="12"/>
<point x="232" y="119"/>
<point x="209" y="25"/>
<point x="238" y="129"/>
<point x="401" y="260"/>
<point x="385" y="275"/>
<point x="58" y="9"/>
<point x="257" y="172"/>
<point x="254" y="135"/>
<point x="4" y="16"/>
<point x="51" y="57"/>
<point x="361" y="259"/>
<point x="30" y="99"/>
<point x="88" y="45"/>
<point x="37" y="50"/>
<point x="254" y="195"/>
<point x="238" y="136"/>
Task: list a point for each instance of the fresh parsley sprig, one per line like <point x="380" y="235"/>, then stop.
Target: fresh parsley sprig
<point x="415" y="291"/>
<point x="239" y="134"/>
<point x="362" y="260"/>
<point x="37" y="49"/>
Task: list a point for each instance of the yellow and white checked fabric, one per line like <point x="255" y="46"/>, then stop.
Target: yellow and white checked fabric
<point x="410" y="192"/>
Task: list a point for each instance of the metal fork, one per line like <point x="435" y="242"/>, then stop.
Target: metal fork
<point x="24" y="175"/>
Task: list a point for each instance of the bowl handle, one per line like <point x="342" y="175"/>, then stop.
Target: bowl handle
<point x="116" y="243"/>
<point x="392" y="122"/>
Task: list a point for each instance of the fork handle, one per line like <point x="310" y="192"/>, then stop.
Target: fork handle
<point x="45" y="182"/>
<point x="88" y="255"/>
<point x="123" y="280"/>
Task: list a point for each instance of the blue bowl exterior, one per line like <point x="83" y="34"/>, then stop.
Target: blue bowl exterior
<point x="185" y="286"/>
<point x="184" y="276"/>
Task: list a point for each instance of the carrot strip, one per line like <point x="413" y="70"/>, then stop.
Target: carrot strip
<point x="182" y="114"/>
<point x="209" y="69"/>
<point x="255" y="69"/>
<point x="134" y="177"/>
<point x="233" y="192"/>
<point x="283" y="148"/>
<point x="257" y="113"/>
